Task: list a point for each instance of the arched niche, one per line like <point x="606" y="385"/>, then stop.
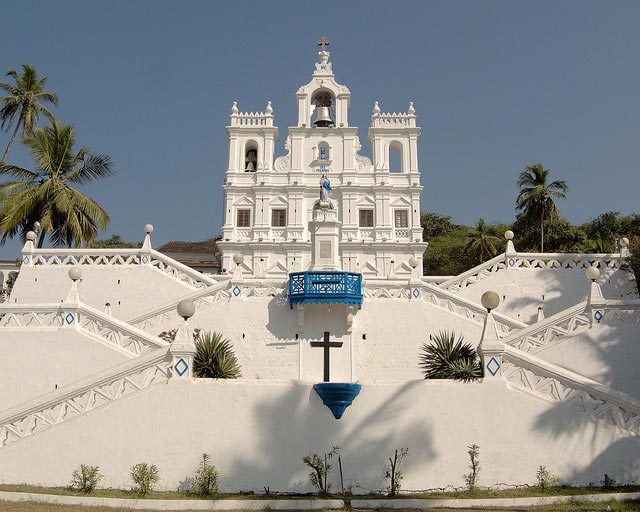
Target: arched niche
<point x="395" y="157"/>
<point x="250" y="154"/>
<point x="322" y="109"/>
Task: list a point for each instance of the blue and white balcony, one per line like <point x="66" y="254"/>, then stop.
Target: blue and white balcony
<point x="325" y="287"/>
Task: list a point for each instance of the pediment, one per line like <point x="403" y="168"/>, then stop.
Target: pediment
<point x="366" y="201"/>
<point x="279" y="201"/>
<point x="401" y="201"/>
<point x="244" y="201"/>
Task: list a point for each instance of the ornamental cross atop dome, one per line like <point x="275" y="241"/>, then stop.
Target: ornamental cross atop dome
<point x="323" y="41"/>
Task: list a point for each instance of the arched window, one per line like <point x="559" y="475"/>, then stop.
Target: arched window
<point x="250" y="157"/>
<point x="395" y="157"/>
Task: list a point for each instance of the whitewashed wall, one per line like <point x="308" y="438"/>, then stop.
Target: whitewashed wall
<point x="257" y="433"/>
<point x="129" y="289"/>
<point x="35" y="361"/>
<point x="523" y="290"/>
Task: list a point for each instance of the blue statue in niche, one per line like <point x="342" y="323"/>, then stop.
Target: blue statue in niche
<point x="325" y="188"/>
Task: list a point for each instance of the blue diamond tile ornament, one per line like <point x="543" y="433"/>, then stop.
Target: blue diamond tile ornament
<point x="512" y="262"/>
<point x="145" y="259"/>
<point x="416" y="292"/>
<point x="69" y="318"/>
<point x="25" y="260"/>
<point x="236" y="290"/>
<point x="181" y="367"/>
<point x="493" y="366"/>
<point x="598" y="315"/>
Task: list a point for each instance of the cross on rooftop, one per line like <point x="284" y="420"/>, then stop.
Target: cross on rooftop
<point x="327" y="345"/>
<point x="323" y="41"/>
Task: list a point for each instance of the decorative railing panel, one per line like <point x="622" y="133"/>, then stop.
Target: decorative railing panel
<point x="178" y="271"/>
<point x="565" y="260"/>
<point x="106" y="329"/>
<point x="475" y="274"/>
<point x="325" y="287"/>
<point x="552" y="330"/>
<point x="615" y="410"/>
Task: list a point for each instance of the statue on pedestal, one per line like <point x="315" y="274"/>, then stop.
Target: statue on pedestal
<point x="325" y="188"/>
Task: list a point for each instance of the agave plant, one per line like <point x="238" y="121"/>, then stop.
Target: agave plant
<point x="448" y="358"/>
<point x="214" y="358"/>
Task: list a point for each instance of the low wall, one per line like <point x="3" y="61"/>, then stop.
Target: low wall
<point x="257" y="433"/>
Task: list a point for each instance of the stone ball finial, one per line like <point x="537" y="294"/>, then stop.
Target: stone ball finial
<point x="31" y="236"/>
<point x="238" y="259"/>
<point x="490" y="300"/>
<point x="414" y="262"/>
<point x="148" y="228"/>
<point x="37" y="226"/>
<point x="592" y="273"/>
<point x="624" y="241"/>
<point x="75" y="274"/>
<point x="186" y="308"/>
<point x="508" y="234"/>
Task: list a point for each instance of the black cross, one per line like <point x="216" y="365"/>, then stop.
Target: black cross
<point x="326" y="344"/>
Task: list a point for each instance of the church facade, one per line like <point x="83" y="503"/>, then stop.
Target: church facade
<point x="270" y="202"/>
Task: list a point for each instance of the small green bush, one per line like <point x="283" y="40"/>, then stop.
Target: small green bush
<point x="545" y="478"/>
<point x="144" y="476"/>
<point x="85" y="478"/>
<point x="471" y="478"/>
<point x="205" y="481"/>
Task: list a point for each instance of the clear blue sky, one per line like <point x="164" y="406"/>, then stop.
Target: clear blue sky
<point x="497" y="85"/>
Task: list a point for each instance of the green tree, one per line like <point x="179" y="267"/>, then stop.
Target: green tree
<point x="536" y="198"/>
<point x="115" y="242"/>
<point x="481" y="241"/>
<point x="435" y="225"/>
<point x="46" y="194"/>
<point x="24" y="102"/>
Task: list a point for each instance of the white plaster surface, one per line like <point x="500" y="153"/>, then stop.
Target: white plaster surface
<point x="257" y="433"/>
<point x="35" y="361"/>
<point x="522" y="290"/>
<point x="129" y="289"/>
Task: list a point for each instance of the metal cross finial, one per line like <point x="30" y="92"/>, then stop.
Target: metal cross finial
<point x="323" y="41"/>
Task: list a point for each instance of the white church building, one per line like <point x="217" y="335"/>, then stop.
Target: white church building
<point x="320" y="240"/>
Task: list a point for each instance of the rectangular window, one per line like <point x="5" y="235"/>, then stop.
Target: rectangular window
<point x="401" y="218"/>
<point x="278" y="218"/>
<point x="366" y="218"/>
<point x="243" y="219"/>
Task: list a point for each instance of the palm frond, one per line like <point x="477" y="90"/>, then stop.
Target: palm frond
<point x="214" y="357"/>
<point x="448" y="358"/>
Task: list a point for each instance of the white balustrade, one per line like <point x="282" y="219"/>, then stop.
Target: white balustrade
<point x="102" y="327"/>
<point x="83" y="396"/>
<point x="551" y="330"/>
<point x="612" y="408"/>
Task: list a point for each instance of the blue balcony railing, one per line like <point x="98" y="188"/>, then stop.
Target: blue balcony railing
<point x="325" y="287"/>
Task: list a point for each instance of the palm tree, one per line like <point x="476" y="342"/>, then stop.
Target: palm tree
<point x="535" y="199"/>
<point x="46" y="194"/>
<point x="481" y="241"/>
<point x="24" y="101"/>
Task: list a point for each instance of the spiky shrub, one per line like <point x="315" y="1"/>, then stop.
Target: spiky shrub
<point x="448" y="358"/>
<point x="205" y="481"/>
<point x="85" y="478"/>
<point x="144" y="476"/>
<point x="320" y="469"/>
<point x="545" y="478"/>
<point x="214" y="358"/>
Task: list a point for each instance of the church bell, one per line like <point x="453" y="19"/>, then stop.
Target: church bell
<point x="323" y="118"/>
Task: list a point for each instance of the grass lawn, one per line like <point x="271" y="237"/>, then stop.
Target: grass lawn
<point x="591" y="507"/>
